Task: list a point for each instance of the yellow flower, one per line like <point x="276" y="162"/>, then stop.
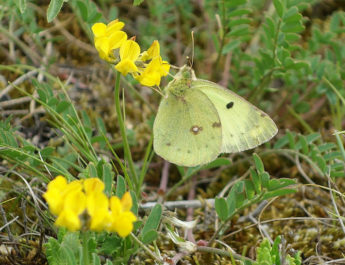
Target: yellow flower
<point x="101" y="30"/>
<point x="74" y="205"/>
<point x="108" y="38"/>
<point x="152" y="52"/>
<point x="53" y="195"/>
<point x="69" y="202"/>
<point x="129" y="53"/>
<point x="97" y="204"/>
<point x="152" y="74"/>
<point x="92" y="185"/>
<point x="57" y="190"/>
<point x="121" y="217"/>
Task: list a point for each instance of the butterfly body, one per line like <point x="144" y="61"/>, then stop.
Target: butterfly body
<point x="198" y="119"/>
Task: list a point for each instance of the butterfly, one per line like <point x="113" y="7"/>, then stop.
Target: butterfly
<point x="197" y="120"/>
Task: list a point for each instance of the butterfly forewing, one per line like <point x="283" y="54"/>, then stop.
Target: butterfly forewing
<point x="243" y="125"/>
<point x="187" y="129"/>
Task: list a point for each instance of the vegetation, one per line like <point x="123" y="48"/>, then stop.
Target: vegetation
<point x="66" y="112"/>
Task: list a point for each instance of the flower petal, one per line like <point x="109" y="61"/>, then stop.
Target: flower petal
<point x="99" y="29"/>
<point x="126" y="66"/>
<point x="113" y="26"/>
<point x="129" y="50"/>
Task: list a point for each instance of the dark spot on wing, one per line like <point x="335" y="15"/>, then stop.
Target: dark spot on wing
<point x="206" y="146"/>
<point x="216" y="124"/>
<point x="188" y="151"/>
<point x="263" y="114"/>
<point x="195" y="129"/>
<point x="230" y="105"/>
<point x="168" y="144"/>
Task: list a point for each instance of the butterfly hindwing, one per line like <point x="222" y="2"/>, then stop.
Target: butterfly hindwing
<point x="187" y="129"/>
<point x="243" y="125"/>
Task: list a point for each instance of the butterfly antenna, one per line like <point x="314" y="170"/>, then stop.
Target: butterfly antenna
<point x="192" y="34"/>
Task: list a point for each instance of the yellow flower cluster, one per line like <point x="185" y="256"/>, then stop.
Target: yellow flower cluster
<point x="113" y="46"/>
<point x="83" y="203"/>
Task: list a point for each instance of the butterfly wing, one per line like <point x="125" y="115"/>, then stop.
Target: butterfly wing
<point x="187" y="129"/>
<point x="244" y="126"/>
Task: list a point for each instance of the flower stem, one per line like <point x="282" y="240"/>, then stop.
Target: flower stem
<point x="84" y="238"/>
<point x="126" y="148"/>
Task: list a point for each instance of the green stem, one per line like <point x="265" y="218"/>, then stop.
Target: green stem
<point x="299" y="118"/>
<point x="152" y="254"/>
<point x="147" y="159"/>
<point x="335" y="90"/>
<point x="127" y="150"/>
<point x="85" y="251"/>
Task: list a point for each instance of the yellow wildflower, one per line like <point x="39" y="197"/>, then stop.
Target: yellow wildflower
<point x="69" y="202"/>
<point x="152" y="52"/>
<point x="153" y="72"/>
<point x="121" y="217"/>
<point x="97" y="204"/>
<point x="57" y="190"/>
<point x="74" y="205"/>
<point x="129" y="53"/>
<point x="108" y="38"/>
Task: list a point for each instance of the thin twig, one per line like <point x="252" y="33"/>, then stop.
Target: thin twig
<point x="15" y="101"/>
<point x="222" y="252"/>
<point x="178" y="204"/>
<point x="9" y="233"/>
<point x="18" y="81"/>
<point x="335" y="205"/>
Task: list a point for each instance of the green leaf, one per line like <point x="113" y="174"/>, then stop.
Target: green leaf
<point x="250" y="190"/>
<point x="108" y="262"/>
<point x="275" y="250"/>
<point x="221" y="208"/>
<point x="313" y="137"/>
<point x="293" y="27"/>
<point x="120" y="186"/>
<point x="21" y="4"/>
<point x="234" y="3"/>
<point x="47" y="151"/>
<point x="292" y="37"/>
<point x="278" y="193"/>
<point x="258" y="163"/>
<point x="291" y="138"/>
<point x="265" y="177"/>
<point x="135" y="202"/>
<point x="153" y="220"/>
<point x="62" y="106"/>
<point x="220" y="161"/>
<point x="269" y="27"/>
<point x="149" y="236"/>
<point x="107" y="177"/>
<point x="239" y="21"/>
<point x="137" y="2"/>
<point x="52" y="102"/>
<point x="275" y="184"/>
<point x="256" y="180"/>
<point x="279" y="7"/>
<point x="231" y="46"/>
<point x="83" y="10"/>
<point x="238" y="12"/>
<point x="53" y="9"/>
<point x="95" y="259"/>
<point x="239" y="31"/>
<point x="304" y="144"/>
<point x="291" y="12"/>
